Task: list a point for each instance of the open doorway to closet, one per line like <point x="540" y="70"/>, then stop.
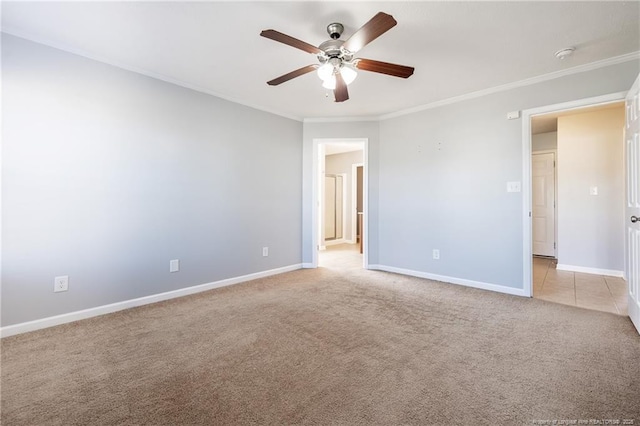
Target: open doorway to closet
<point x="341" y="190"/>
<point x="577" y="206"/>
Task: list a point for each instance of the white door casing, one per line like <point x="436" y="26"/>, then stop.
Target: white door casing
<point x="527" y="240"/>
<point x="543" y="179"/>
<point x="632" y="204"/>
<point x="316" y="168"/>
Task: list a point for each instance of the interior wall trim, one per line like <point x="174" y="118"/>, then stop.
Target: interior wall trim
<point x="586" y="270"/>
<point x="38" y="324"/>
<point x="452" y="280"/>
<point x="633" y="56"/>
<point x="527" y="201"/>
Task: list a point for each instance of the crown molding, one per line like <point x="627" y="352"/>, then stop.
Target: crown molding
<point x="484" y="92"/>
<point x="521" y="83"/>
<point x="340" y="119"/>
<point x="151" y="74"/>
<point x="448" y="101"/>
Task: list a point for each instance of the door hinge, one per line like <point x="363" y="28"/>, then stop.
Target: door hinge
<point x="529" y="214"/>
<point x="554" y="245"/>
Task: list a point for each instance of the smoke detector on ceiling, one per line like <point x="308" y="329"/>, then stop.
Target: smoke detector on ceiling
<point x="563" y="53"/>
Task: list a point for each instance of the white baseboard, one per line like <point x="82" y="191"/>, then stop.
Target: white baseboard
<point x="452" y="280"/>
<point x="307" y="265"/>
<point x="334" y="242"/>
<point x="596" y="271"/>
<point x="24" y="327"/>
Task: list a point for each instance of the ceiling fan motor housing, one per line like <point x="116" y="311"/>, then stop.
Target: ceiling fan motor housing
<point x="331" y="48"/>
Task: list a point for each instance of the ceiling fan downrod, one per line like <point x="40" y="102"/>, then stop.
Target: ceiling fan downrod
<point x="335" y="30"/>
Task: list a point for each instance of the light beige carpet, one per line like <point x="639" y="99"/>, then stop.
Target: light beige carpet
<point x="324" y="347"/>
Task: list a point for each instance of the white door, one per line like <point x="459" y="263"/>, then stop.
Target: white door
<point x="543" y="193"/>
<point x="632" y="205"/>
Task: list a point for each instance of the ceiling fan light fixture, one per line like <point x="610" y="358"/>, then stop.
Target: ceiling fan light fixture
<point x="325" y="71"/>
<point x="330" y="83"/>
<point x="348" y="74"/>
<point x="337" y="66"/>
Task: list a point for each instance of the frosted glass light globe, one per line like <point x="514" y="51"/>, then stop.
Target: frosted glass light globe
<point x="330" y="83"/>
<point x="325" y="71"/>
<point x="348" y="74"/>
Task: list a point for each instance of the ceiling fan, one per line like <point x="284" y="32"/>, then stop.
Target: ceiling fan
<point x="337" y="68"/>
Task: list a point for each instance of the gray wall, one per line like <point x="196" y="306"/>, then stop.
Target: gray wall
<point x="107" y="175"/>
<point x="544" y="141"/>
<point x="363" y="129"/>
<point x="443" y="174"/>
<point x="590" y="153"/>
<point x="339" y="164"/>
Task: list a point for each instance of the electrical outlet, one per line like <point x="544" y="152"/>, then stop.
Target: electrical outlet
<point x="265" y="251"/>
<point x="174" y="265"/>
<point x="436" y="254"/>
<point x="61" y="283"/>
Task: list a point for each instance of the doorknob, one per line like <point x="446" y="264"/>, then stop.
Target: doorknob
<point x="635" y="219"/>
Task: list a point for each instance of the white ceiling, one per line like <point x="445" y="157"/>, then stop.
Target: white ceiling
<point x="456" y="47"/>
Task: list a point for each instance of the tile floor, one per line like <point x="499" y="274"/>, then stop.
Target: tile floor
<point x="597" y="292"/>
<point x="340" y="256"/>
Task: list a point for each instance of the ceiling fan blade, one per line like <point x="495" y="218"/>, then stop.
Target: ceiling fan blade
<point x="340" y="92"/>
<point x="378" y="25"/>
<point x="293" y="42"/>
<point x="292" y="74"/>
<point x="384" y="68"/>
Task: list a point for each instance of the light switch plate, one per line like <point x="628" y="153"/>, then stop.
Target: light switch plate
<point x="174" y="265"/>
<point x="513" y="187"/>
<point x="593" y="190"/>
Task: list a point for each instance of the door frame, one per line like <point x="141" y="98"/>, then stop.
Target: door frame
<point x="527" y="228"/>
<point x="555" y="196"/>
<point x="316" y="217"/>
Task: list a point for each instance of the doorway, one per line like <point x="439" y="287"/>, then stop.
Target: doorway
<point x="340" y="194"/>
<point x="575" y="246"/>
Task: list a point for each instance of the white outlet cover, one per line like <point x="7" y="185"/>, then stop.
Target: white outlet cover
<point x="174" y="265"/>
<point x="265" y="251"/>
<point x="61" y="283"/>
